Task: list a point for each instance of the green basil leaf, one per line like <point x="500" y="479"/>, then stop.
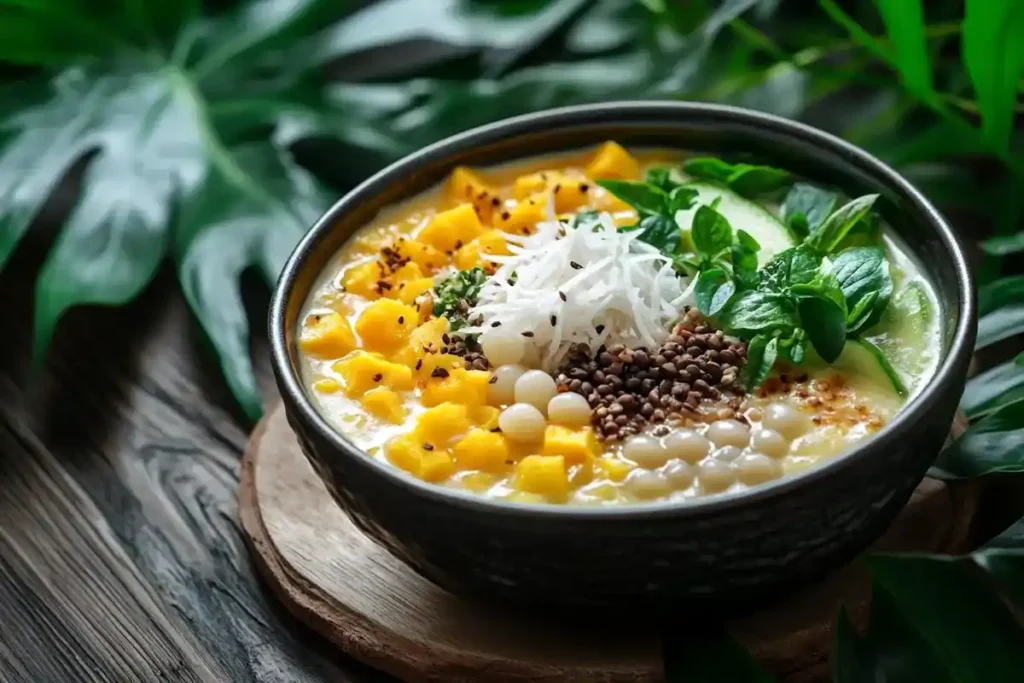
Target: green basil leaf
<point x="824" y="321"/>
<point x="998" y="385"/>
<point x="713" y="291"/>
<point x="859" y="316"/>
<point x="751" y="181"/>
<point x="661" y="232"/>
<point x="709" y="168"/>
<point x="660" y="178"/>
<point x="970" y="631"/>
<point x="745" y="240"/>
<point x="755" y="311"/>
<point x="646" y="199"/>
<point x="793" y="266"/>
<point x="745" y="179"/>
<point x="839" y="223"/>
<point x="711" y="232"/>
<point x="761" y="354"/>
<point x="680" y="199"/>
<point x="806" y="207"/>
<point x="993" y="444"/>
<point x="863" y="272"/>
<point x="794" y="347"/>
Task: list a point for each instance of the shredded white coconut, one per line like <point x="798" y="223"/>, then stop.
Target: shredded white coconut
<point x="592" y="284"/>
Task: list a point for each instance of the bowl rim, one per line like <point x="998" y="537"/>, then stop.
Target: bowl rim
<point x="299" y="404"/>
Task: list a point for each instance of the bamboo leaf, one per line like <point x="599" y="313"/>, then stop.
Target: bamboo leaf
<point x="904" y="23"/>
<point x="993" y="53"/>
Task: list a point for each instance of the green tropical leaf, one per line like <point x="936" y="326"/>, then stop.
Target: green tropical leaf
<point x="1001" y="310"/>
<point x="993" y="53"/>
<point x="1003" y="559"/>
<point x="851" y="661"/>
<point x="999" y="385"/>
<point x="970" y="632"/>
<point x="904" y="23"/>
<point x="993" y="444"/>
<point x="712" y="656"/>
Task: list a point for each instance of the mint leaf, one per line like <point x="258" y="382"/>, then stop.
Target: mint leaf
<point x="680" y="199"/>
<point x="761" y="354"/>
<point x="713" y="291"/>
<point x="825" y="324"/>
<point x="744" y="259"/>
<point x="863" y="274"/>
<point x="753" y="312"/>
<point x="794" y="346"/>
<point x="711" y="232"/>
<point x="839" y="223"/>
<point x="745" y="179"/>
<point x="806" y="207"/>
<point x="793" y="266"/>
<point x="661" y="232"/>
<point x="648" y="200"/>
<point x="660" y="178"/>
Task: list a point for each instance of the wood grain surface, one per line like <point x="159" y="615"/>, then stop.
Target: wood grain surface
<point x="330" y="575"/>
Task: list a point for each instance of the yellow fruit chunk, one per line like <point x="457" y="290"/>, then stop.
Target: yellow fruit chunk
<point x="363" y="371"/>
<point x="467" y="186"/>
<point x="577" y="445"/>
<point x="573" y="193"/>
<point x="405" y="273"/>
<point x="440" y="424"/>
<point x="613" y="470"/>
<point x="544" y="475"/>
<point x="421" y="460"/>
<point x="478" y="481"/>
<point x="363" y="279"/>
<point x="327" y="385"/>
<point x="484" y="416"/>
<point x="524" y="216"/>
<point x="474" y="383"/>
<point x="423" y="255"/>
<point x="425" y="336"/>
<point x="449" y="230"/>
<point x="433" y="361"/>
<point x="409" y="291"/>
<point x="489" y="243"/>
<point x="525" y="497"/>
<point x="385" y="325"/>
<point x="482" y="450"/>
<point x="385" y="404"/>
<point x="531" y="183"/>
<point x="613" y="161"/>
<point x="327" y="335"/>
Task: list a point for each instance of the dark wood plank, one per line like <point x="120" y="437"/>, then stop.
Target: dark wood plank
<point x="121" y="557"/>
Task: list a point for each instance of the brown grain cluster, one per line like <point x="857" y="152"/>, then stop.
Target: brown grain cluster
<point x="468" y="350"/>
<point x="631" y="388"/>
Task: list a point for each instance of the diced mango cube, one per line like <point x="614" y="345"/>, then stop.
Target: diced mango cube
<point x="612" y="469"/>
<point x="405" y="273"/>
<point x="486" y="417"/>
<point x="363" y="371"/>
<point x="409" y="291"/>
<point x="572" y="193"/>
<point x="440" y="424"/>
<point x="421" y="460"/>
<point x="524" y="216"/>
<point x="475" y="383"/>
<point x="385" y="404"/>
<point x="364" y="278"/>
<point x="423" y="255"/>
<point x="577" y="445"/>
<point x="613" y="161"/>
<point x="467" y="186"/>
<point x="489" y="243"/>
<point x="530" y="183"/>
<point x="544" y="475"/>
<point x="482" y="450"/>
<point x="327" y="385"/>
<point x="327" y="335"/>
<point x="385" y="325"/>
<point x="444" y="389"/>
<point x="449" y="230"/>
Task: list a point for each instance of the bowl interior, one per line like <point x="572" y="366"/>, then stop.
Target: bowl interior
<point x="720" y="131"/>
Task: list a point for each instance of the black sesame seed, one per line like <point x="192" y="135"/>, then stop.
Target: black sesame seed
<point x="561" y="295"/>
<point x="419" y="363"/>
<point x="378" y="377"/>
<point x="527" y="333"/>
<point x="599" y="329"/>
<point x="496" y="323"/>
<point x="428" y="446"/>
<point x="401" y="320"/>
<point x="575" y="266"/>
<point x="554" y="320"/>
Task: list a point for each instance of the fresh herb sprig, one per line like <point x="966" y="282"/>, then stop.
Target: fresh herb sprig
<point x="814" y="293"/>
<point x="744" y="179"/>
<point x="456" y="294"/>
<point x="656" y="201"/>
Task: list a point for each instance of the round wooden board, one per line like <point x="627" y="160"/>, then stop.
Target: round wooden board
<point x="379" y="611"/>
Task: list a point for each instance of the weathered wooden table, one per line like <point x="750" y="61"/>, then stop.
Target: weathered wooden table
<point x="121" y="557"/>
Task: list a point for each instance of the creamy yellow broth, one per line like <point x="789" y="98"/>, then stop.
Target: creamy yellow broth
<point x="364" y="329"/>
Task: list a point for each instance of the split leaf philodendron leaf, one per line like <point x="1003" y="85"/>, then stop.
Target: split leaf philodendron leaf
<point x="153" y="102"/>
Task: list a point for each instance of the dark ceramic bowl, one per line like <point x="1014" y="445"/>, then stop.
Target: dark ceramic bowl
<point x="726" y="551"/>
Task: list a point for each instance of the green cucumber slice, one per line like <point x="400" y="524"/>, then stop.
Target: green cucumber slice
<point x="906" y="335"/>
<point x="742" y="214"/>
<point x="871" y="360"/>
